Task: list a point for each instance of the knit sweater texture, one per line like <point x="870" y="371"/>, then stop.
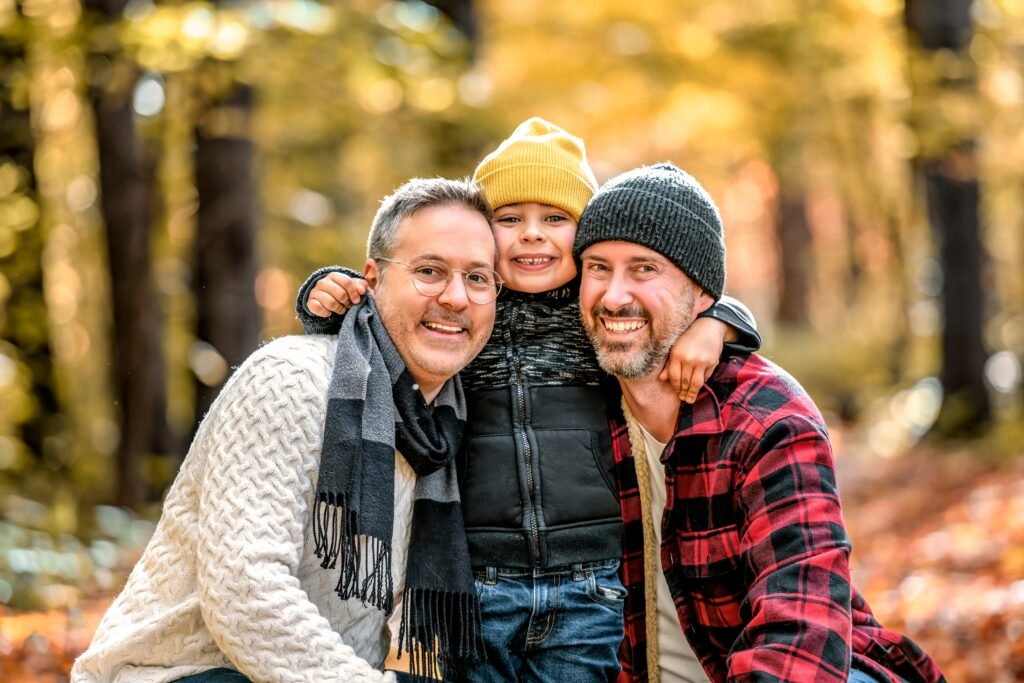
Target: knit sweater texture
<point x="230" y="578"/>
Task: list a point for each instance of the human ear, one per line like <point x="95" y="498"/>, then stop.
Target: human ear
<point x="371" y="273"/>
<point x="704" y="302"/>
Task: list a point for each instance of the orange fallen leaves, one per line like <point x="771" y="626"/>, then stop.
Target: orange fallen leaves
<point x="939" y="553"/>
<point x="40" y="647"/>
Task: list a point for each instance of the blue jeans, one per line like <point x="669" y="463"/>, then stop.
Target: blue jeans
<point x="215" y="676"/>
<point x="562" y="624"/>
<point x="858" y="676"/>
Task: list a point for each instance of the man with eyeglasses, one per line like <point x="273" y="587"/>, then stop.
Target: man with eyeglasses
<point x="319" y="495"/>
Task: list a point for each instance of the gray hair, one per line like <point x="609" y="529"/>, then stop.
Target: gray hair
<point x="413" y="196"/>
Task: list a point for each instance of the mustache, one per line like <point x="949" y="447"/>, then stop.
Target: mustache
<point x="628" y="311"/>
<point x="446" y="317"/>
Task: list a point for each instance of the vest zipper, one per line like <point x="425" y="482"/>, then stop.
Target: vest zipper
<point x="527" y="451"/>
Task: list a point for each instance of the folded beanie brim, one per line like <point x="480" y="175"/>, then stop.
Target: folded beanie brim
<point x="540" y="183"/>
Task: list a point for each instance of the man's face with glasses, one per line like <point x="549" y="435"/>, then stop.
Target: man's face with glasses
<point x="431" y="277"/>
<point x="436" y="291"/>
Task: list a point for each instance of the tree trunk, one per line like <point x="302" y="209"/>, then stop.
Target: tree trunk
<point x="227" y="316"/>
<point x="939" y="24"/>
<point x="126" y="196"/>
<point x="795" y="257"/>
<point x="952" y="194"/>
<point x="23" y="316"/>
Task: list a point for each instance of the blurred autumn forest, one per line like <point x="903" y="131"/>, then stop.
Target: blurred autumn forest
<point x="170" y="171"/>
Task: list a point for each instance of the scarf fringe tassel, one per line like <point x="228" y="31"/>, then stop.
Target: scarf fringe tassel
<point x="335" y="535"/>
<point x="441" y="632"/>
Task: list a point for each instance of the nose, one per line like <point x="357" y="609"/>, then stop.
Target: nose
<point x="617" y="293"/>
<point x="455" y="296"/>
<point x="532" y="231"/>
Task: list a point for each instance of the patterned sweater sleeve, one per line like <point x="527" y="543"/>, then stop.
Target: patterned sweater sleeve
<point x="314" y="324"/>
<point x="733" y="313"/>
<point x="260" y="440"/>
<point x="794" y="542"/>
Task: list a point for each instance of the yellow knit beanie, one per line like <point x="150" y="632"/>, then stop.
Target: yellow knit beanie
<point x="539" y="163"/>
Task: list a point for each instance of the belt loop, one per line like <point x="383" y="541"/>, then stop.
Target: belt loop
<point x="577" y="572"/>
<point x="492" y="575"/>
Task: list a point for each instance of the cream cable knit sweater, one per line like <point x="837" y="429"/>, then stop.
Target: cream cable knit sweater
<point x="230" y="578"/>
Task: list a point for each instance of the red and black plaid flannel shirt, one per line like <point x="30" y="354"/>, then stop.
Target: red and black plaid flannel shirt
<point x="754" y="547"/>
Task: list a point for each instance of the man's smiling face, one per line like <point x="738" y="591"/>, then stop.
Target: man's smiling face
<point x="436" y="335"/>
<point x="635" y="304"/>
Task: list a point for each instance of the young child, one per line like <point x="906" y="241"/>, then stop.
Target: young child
<point x="536" y="469"/>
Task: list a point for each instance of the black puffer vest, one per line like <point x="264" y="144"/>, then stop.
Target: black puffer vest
<point x="536" y="468"/>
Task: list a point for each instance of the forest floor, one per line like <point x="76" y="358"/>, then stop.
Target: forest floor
<point x="938" y="552"/>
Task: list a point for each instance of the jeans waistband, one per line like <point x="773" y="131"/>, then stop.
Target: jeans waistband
<point x="492" y="573"/>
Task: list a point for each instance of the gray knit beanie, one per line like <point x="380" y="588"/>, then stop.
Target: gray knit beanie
<point x="662" y="208"/>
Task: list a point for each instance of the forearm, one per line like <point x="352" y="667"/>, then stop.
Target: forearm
<point x="269" y="629"/>
<point x="800" y="636"/>
<point x="800" y="625"/>
<point x="743" y="335"/>
<point x="314" y="324"/>
<point x="250" y="535"/>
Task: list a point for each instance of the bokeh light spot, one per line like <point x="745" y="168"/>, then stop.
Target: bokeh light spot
<point x="1003" y="371"/>
<point x="208" y="365"/>
<point x="149" y="97"/>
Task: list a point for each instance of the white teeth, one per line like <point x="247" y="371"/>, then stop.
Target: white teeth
<point x="442" y="328"/>
<point x="534" y="261"/>
<point x="623" y="326"/>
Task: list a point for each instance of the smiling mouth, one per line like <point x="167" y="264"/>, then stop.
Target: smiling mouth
<point x="623" y="325"/>
<point x="533" y="260"/>
<point x="443" y="328"/>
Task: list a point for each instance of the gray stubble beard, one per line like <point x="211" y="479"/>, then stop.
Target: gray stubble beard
<point x="614" y="357"/>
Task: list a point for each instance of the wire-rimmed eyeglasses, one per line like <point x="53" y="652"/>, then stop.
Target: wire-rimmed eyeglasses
<point x="431" y="277"/>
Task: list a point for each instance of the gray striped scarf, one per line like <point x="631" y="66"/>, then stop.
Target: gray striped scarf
<point x="373" y="409"/>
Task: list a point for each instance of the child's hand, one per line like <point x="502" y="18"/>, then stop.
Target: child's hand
<point x="335" y="293"/>
<point x="694" y="356"/>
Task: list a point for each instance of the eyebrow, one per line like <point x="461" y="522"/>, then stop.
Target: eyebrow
<point x="632" y="259"/>
<point x="434" y="257"/>
<point x="648" y="259"/>
<point x="515" y="208"/>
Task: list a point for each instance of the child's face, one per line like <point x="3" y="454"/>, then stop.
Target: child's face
<point x="534" y="246"/>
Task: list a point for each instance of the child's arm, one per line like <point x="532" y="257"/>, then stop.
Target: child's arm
<point x="727" y="324"/>
<point x="325" y="296"/>
<point x="737" y="316"/>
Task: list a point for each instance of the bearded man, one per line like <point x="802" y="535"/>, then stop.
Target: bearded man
<point x="735" y="556"/>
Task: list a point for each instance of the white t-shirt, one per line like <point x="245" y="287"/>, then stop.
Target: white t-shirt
<point x="675" y="656"/>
